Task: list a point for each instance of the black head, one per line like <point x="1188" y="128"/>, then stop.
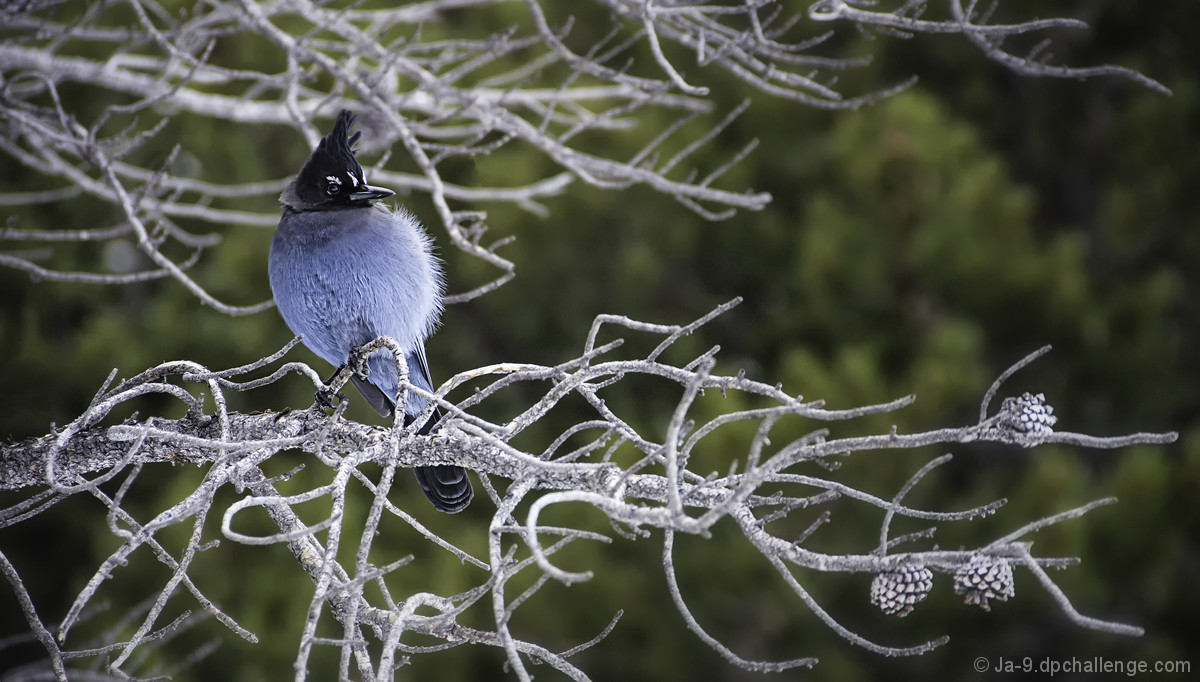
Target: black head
<point x="332" y="178"/>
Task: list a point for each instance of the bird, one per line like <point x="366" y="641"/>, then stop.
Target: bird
<point x="346" y="269"/>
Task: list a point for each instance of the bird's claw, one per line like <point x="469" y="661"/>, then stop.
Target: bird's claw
<point x="328" y="398"/>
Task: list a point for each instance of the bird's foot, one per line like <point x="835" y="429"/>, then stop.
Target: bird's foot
<point x="329" y="399"/>
<point x="358" y="361"/>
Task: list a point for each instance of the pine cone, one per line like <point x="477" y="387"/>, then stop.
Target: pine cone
<point x="984" y="578"/>
<point x="1028" y="414"/>
<point x="898" y="592"/>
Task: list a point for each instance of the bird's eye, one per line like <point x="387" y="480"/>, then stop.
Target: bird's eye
<point x="333" y="185"/>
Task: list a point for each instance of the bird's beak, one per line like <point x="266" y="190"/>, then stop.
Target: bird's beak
<point x="369" y="193"/>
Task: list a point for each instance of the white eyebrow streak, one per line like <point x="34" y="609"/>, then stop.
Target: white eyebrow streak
<point x="334" y="178"/>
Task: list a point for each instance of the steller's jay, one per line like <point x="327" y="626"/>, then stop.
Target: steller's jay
<point x="345" y="270"/>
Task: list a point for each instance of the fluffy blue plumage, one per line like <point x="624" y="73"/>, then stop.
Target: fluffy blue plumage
<point x="345" y="270"/>
<point x="344" y="278"/>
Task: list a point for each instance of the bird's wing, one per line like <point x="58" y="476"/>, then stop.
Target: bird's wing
<point x="374" y="395"/>
<point x="422" y="366"/>
<point x="381" y="402"/>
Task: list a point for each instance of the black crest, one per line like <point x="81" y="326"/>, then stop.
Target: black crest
<point x="332" y="174"/>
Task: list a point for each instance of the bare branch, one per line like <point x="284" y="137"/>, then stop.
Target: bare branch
<point x="636" y="106"/>
<point x="655" y="494"/>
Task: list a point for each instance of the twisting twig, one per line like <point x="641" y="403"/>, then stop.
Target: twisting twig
<point x="653" y="494"/>
<point x="427" y="98"/>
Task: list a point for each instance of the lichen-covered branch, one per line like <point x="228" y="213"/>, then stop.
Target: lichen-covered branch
<point x="655" y="492"/>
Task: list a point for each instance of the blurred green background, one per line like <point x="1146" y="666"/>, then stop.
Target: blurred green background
<point x="918" y="245"/>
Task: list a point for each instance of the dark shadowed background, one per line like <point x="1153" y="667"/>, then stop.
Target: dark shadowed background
<point x="918" y="245"/>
